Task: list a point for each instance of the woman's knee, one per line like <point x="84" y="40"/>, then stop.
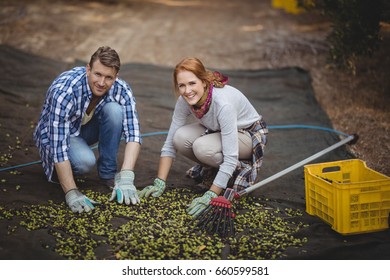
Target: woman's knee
<point x="181" y="141"/>
<point x="207" y="152"/>
<point x="186" y="135"/>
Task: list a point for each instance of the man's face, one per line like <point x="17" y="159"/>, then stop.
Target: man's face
<point x="100" y="78"/>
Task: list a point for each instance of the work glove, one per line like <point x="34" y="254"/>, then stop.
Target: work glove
<point x="124" y="189"/>
<point x="199" y="204"/>
<point x="78" y="202"/>
<point x="155" y="190"/>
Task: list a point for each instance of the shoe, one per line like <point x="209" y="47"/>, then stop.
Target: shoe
<point x="203" y="175"/>
<point x="196" y="173"/>
<point x="109" y="183"/>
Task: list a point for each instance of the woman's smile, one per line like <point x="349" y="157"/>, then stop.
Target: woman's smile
<point x="190" y="87"/>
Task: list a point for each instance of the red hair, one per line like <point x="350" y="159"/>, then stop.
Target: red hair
<point x="194" y="65"/>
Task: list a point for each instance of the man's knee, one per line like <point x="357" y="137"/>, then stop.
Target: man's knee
<point x="113" y="113"/>
<point x="85" y="164"/>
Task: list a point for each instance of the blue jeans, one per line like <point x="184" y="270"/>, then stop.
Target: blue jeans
<point x="105" y="128"/>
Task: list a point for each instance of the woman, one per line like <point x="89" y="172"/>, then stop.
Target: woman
<point x="229" y="134"/>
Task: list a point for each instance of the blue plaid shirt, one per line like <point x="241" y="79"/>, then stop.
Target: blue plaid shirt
<point x="66" y="102"/>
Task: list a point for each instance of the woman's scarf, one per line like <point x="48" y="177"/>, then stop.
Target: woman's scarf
<point x="204" y="108"/>
<point x="219" y="81"/>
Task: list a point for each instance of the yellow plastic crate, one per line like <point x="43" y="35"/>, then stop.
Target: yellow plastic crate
<point x="289" y="6"/>
<point x="348" y="195"/>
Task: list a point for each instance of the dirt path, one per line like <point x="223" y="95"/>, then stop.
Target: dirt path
<point x="245" y="34"/>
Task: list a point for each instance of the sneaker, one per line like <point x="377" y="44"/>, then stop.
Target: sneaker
<point x="207" y="178"/>
<point x="196" y="173"/>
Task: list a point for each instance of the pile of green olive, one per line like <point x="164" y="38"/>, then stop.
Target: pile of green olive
<point x="160" y="228"/>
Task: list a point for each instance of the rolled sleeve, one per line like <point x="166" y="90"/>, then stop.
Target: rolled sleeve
<point x="59" y="127"/>
<point x="131" y="125"/>
<point x="229" y="135"/>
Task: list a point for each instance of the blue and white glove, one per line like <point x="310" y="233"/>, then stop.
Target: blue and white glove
<point x="78" y="202"/>
<point x="124" y="189"/>
<point x="155" y="190"/>
<point x="199" y="204"/>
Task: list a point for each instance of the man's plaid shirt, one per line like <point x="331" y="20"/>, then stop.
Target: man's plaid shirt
<point x="66" y="102"/>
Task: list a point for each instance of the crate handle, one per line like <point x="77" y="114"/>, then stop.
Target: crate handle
<point x="331" y="169"/>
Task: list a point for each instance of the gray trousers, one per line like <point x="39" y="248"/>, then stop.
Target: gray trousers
<point x="207" y="149"/>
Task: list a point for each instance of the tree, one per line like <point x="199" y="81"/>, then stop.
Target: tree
<point x="355" y="27"/>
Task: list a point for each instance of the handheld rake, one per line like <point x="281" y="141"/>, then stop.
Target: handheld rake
<point x="218" y="217"/>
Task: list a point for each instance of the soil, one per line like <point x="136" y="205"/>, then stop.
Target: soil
<point x="245" y="34"/>
<point x="152" y="36"/>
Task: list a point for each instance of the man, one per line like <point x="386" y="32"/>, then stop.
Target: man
<point x="85" y="106"/>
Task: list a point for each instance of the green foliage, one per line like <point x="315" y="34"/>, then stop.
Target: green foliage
<point x="355" y="27"/>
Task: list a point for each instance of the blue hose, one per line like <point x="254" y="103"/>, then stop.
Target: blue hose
<point x="290" y="126"/>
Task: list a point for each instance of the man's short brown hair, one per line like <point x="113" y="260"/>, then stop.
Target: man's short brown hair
<point x="107" y="56"/>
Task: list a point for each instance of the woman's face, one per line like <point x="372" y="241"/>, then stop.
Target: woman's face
<point x="190" y="86"/>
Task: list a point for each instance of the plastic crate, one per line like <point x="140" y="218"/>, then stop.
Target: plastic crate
<point x="289" y="6"/>
<point x="348" y="195"/>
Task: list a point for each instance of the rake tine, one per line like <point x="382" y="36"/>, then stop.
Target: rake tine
<point x="221" y="213"/>
<point x="228" y="228"/>
<point x="224" y="221"/>
<point x="232" y="216"/>
<point x="223" y="226"/>
<point x="218" y="222"/>
<point x="202" y="218"/>
<point x="203" y="214"/>
<point x="232" y="228"/>
<point x="207" y="218"/>
<point x="217" y="217"/>
<point x="213" y="219"/>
